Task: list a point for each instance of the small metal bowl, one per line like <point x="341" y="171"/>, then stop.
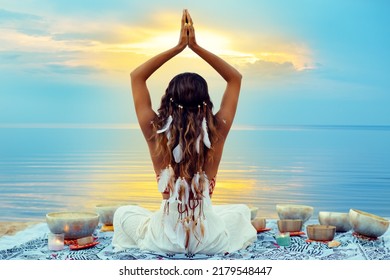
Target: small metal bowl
<point x="320" y="232"/>
<point x="339" y="220"/>
<point x="106" y="211"/>
<point x="74" y="225"/>
<point x="259" y="223"/>
<point x="368" y="224"/>
<point x="292" y="211"/>
<point x="254" y="211"/>
<point x="290" y="225"/>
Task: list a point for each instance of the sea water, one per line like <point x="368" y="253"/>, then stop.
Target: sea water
<point x="332" y="168"/>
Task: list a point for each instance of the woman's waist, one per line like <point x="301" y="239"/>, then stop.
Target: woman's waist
<point x="175" y="208"/>
<point x="166" y="196"/>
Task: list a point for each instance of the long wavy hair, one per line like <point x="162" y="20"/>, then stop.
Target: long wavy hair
<point x="187" y="119"/>
<point x="187" y="100"/>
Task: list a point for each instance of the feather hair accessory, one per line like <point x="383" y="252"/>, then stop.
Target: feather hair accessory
<point x="184" y="192"/>
<point x="199" y="228"/>
<point x="166" y="126"/>
<point x="197" y="144"/>
<point x="166" y="179"/>
<point x="206" y="139"/>
<point x="205" y="184"/>
<point x="178" y="153"/>
<point x="175" y="193"/>
<point x="196" y="229"/>
<point x="195" y="185"/>
<point x="187" y="230"/>
<point x="163" y="180"/>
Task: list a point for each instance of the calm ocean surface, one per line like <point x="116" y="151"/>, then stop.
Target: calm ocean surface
<point x="332" y="168"/>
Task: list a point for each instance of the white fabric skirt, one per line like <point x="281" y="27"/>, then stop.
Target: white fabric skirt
<point x="227" y="228"/>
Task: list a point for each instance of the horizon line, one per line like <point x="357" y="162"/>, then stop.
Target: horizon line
<point x="239" y="127"/>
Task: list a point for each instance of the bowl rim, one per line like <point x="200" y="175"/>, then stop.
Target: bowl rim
<point x="369" y="215"/>
<point x="284" y="224"/>
<point x="289" y="221"/>
<point x="321" y="227"/>
<point x="326" y="232"/>
<point x="57" y="215"/>
<point x="332" y="212"/>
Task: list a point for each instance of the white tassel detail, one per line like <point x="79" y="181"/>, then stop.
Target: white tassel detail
<point x="166" y="126"/>
<point x="178" y="153"/>
<point x="206" y="139"/>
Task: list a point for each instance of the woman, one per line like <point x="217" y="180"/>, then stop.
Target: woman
<point x="185" y="141"/>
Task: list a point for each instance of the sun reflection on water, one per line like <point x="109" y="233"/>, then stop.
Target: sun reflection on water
<point x="307" y="171"/>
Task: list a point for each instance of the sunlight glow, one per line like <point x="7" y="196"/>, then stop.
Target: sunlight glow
<point x="117" y="47"/>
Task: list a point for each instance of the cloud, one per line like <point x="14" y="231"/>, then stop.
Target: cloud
<point x="9" y="57"/>
<point x="62" y="62"/>
<point x="23" y="22"/>
<point x="268" y="69"/>
<point x="6" y="15"/>
<point x="71" y="69"/>
<point x="81" y="44"/>
<point x="31" y="45"/>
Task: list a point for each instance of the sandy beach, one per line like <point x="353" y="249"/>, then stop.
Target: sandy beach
<point x="11" y="228"/>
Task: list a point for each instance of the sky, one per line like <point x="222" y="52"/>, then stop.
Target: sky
<point x="67" y="63"/>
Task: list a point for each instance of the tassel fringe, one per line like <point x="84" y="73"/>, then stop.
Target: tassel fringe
<point x="191" y="224"/>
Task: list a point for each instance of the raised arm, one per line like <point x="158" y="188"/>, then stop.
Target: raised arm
<point x="233" y="78"/>
<point x="141" y="96"/>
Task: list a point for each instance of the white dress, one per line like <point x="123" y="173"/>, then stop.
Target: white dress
<point x="227" y="228"/>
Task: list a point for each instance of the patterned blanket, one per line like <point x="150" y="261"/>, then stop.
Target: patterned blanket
<point x="31" y="244"/>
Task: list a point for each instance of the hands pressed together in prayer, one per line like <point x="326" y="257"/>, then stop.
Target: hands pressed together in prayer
<point x="187" y="31"/>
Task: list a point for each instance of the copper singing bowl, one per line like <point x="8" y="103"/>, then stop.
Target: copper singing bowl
<point x="320" y="232"/>
<point x="290" y="225"/>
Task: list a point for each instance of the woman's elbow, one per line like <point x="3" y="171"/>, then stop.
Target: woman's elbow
<point x="236" y="79"/>
<point x="239" y="77"/>
<point x="133" y="75"/>
<point x="136" y="75"/>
